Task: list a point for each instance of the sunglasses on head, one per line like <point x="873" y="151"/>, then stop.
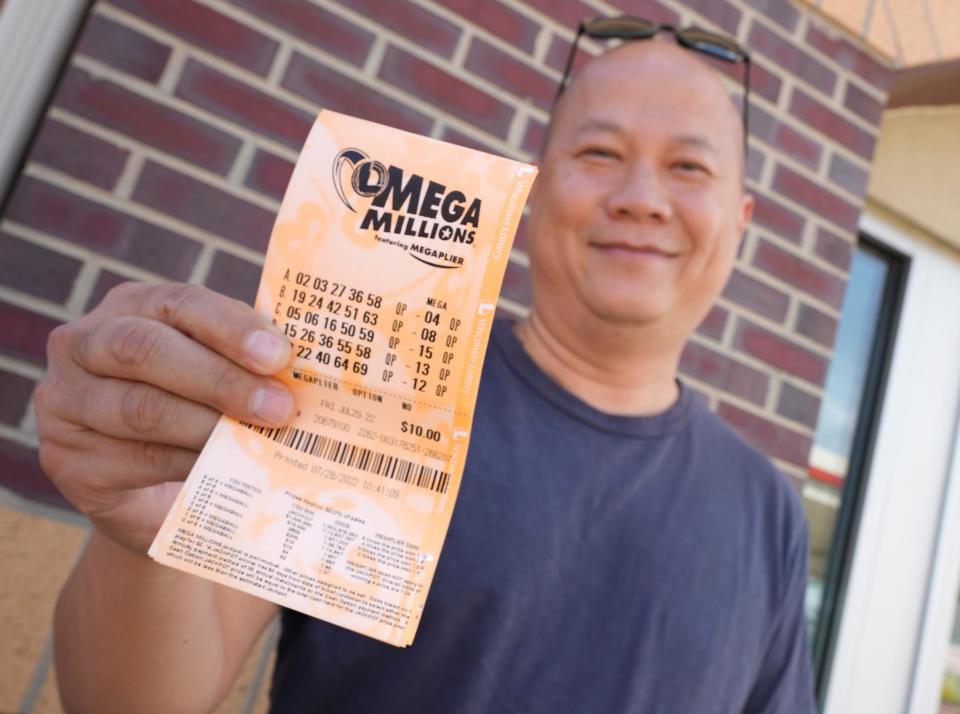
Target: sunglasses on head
<point x="626" y="27"/>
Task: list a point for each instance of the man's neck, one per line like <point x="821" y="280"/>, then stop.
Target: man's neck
<point x="611" y="369"/>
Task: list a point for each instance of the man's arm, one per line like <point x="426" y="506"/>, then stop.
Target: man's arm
<point x="131" y="394"/>
<point x="784" y="684"/>
<point x="134" y="636"/>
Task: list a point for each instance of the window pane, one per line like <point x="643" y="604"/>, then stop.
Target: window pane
<point x="839" y="413"/>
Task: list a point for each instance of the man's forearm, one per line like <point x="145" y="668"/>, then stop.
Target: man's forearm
<point x="131" y="635"/>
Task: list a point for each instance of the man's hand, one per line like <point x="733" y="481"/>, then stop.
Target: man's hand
<point x="134" y="389"/>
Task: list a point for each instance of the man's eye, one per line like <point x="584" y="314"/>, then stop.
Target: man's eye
<point x="599" y="152"/>
<point x="690" y="167"/>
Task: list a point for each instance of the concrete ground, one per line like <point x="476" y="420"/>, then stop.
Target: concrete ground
<point x="38" y="545"/>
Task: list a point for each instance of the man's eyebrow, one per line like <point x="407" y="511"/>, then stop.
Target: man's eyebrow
<point x="695" y="140"/>
<point x="599" y="125"/>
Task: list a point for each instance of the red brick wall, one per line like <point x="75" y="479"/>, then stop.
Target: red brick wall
<point x="173" y="130"/>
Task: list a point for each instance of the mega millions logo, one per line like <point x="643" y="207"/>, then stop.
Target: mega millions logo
<point x="428" y="220"/>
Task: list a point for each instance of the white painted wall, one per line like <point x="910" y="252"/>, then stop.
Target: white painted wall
<point x="881" y="664"/>
<point x="34" y="35"/>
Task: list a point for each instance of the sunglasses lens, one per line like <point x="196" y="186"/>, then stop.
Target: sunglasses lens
<point x="711" y="44"/>
<point x="621" y="28"/>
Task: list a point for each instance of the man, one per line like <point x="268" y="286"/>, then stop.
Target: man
<point x="615" y="547"/>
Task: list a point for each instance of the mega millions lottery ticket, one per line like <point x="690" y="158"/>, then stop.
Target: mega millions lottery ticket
<point x="383" y="270"/>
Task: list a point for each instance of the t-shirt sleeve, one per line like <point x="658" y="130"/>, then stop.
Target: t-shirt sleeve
<point x="784" y="684"/>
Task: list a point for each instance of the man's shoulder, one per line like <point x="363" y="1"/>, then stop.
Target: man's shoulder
<point x="745" y="466"/>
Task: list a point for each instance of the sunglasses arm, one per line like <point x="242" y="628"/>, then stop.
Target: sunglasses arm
<point x="566" y="70"/>
<point x="746" y="102"/>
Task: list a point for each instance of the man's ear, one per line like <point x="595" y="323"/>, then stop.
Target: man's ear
<point x="746" y="212"/>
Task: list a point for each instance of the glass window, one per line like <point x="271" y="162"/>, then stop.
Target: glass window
<point x="843" y="438"/>
<point x="950" y="693"/>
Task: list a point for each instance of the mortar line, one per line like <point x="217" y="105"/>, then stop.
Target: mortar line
<point x="39" y="676"/>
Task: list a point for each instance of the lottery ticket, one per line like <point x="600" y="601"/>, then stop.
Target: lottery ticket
<point x="383" y="270"/>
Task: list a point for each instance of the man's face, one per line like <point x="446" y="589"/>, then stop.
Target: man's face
<point x="639" y="207"/>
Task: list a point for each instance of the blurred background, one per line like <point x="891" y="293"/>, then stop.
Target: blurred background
<point x="153" y="139"/>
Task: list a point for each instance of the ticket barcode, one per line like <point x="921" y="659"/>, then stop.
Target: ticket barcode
<point x="359" y="457"/>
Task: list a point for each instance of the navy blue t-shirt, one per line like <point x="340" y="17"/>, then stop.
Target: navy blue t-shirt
<point x="595" y="564"/>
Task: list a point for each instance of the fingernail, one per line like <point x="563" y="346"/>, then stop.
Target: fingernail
<point x="272" y="405"/>
<point x="267" y="349"/>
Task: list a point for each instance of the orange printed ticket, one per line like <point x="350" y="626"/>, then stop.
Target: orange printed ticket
<point x="383" y="270"/>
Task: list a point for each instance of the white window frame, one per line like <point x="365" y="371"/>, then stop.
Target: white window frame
<point x="34" y="36"/>
<point x="897" y="613"/>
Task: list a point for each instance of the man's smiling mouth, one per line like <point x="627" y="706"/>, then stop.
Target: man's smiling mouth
<point x="635" y="249"/>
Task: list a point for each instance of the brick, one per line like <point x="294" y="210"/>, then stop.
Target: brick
<point x="779" y="352"/>
<point x="859" y="102"/>
<point x="520" y="241"/>
<point x="791" y="58"/>
<point x="823" y="202"/>
<point x="714" y="323"/>
<point x="834" y="248"/>
<point x="847" y="174"/>
<point x="445" y="91"/>
<point x="146" y="121"/>
<point x="106" y="281"/>
<point x="420" y="26"/>
<point x="763" y="124"/>
<point x="722" y="13"/>
<point x="33" y="269"/>
<point x="100" y="228"/>
<point x="16" y="391"/>
<point x="516" y="284"/>
<point x="557" y="55"/>
<point x="24" y="333"/>
<point x="234" y="276"/>
<point x="784" y="138"/>
<point x="850" y="57"/>
<point x="20" y="473"/>
<point x="499" y="20"/>
<point x="568" y="13"/>
<point x="123" y="48"/>
<point x="816" y="325"/>
<point x="269" y="174"/>
<point x="798" y="405"/>
<point x="649" y="9"/>
<point x="781" y="12"/>
<point x="338" y="92"/>
<point x="772" y="439"/>
<point x="316" y="25"/>
<point x="457" y="137"/>
<point x="831" y="124"/>
<point x="240" y="103"/>
<point x="796" y="271"/>
<point x="207" y="28"/>
<point x="724" y="373"/>
<point x="757" y="296"/>
<point x="78" y="154"/>
<point x="203" y="206"/>
<point x="783" y="221"/>
<point x="516" y="77"/>
<point x="755" y="162"/>
<point x="764" y="83"/>
<point x="533" y="137"/>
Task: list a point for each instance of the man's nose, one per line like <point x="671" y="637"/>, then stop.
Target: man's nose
<point x="640" y="195"/>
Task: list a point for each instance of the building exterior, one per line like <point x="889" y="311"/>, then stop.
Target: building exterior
<point x="152" y="140"/>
